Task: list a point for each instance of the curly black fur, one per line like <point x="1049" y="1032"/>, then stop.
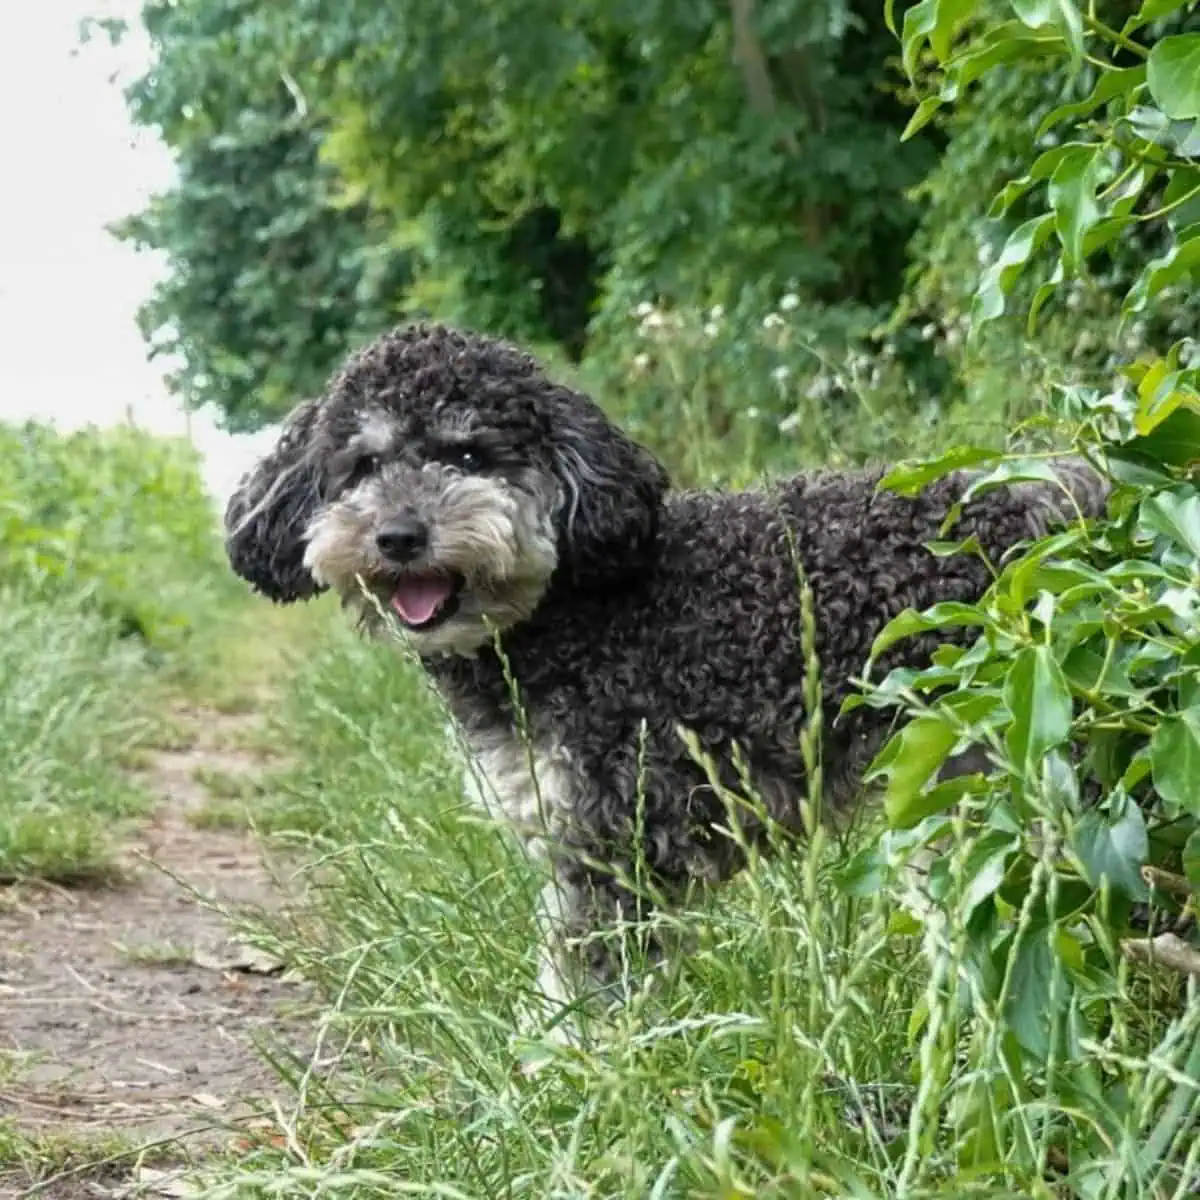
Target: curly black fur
<point x="266" y="515"/>
<point x="666" y="609"/>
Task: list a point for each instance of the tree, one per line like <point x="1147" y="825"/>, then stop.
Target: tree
<point x="271" y="274"/>
<point x="534" y="170"/>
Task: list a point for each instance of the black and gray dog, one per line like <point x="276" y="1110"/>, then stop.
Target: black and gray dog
<point x="509" y="527"/>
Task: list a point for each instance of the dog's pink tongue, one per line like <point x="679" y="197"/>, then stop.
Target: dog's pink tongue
<point x="418" y="598"/>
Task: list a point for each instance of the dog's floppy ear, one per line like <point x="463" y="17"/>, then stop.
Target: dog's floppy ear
<point x="267" y="515"/>
<point x="612" y="491"/>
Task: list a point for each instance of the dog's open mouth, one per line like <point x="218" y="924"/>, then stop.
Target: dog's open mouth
<point x="423" y="600"/>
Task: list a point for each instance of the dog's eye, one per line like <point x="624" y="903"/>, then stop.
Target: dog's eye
<point x="465" y="458"/>
<point x="362" y="468"/>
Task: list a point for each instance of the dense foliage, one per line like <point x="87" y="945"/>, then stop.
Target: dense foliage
<point x="1083" y="679"/>
<point x="531" y="173"/>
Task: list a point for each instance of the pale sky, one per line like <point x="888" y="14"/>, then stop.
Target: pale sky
<point x="69" y="348"/>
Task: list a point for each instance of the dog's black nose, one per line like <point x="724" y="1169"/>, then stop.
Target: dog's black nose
<point x="402" y="540"/>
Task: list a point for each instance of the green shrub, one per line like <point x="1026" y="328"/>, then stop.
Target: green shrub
<point x="774" y="384"/>
<point x="115" y="515"/>
<point x="1082" y="682"/>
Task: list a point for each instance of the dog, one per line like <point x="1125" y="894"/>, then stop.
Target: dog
<point x="576" y="613"/>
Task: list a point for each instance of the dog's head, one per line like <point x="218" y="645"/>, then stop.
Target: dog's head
<point x="446" y="479"/>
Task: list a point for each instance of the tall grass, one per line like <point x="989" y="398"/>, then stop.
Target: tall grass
<point x="111" y="583"/>
<point x="71" y="714"/>
<point x="807" y="1044"/>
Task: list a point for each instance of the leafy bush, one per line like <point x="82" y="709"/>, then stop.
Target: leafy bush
<point x="1025" y="105"/>
<point x="1084" y="680"/>
<point x="72" y="710"/>
<point x="116" y="516"/>
<point x="726" y="395"/>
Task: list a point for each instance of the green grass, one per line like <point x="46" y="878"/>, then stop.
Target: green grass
<point x="804" y="1047"/>
<point x="72" y="715"/>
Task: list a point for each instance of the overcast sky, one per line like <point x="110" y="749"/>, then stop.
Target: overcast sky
<point x="71" y="351"/>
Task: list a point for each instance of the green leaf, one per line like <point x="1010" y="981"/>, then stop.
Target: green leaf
<point x="923" y="115"/>
<point x="1085" y="664"/>
<point x="940" y="616"/>
<point x="1044" y="292"/>
<point x="1012" y="470"/>
<point x="909" y="761"/>
<point x="1191" y="858"/>
<point x="1182" y="197"/>
<point x="1009" y="194"/>
<point x="1174" y="440"/>
<point x="1174" y="515"/>
<point x="1175" y="759"/>
<point x="1178" y="137"/>
<point x="935" y="21"/>
<point x="1162" y="390"/>
<point x="1024" y="241"/>
<point x="1039" y="698"/>
<point x="1060" y="14"/>
<point x="1151" y="11"/>
<point x="1189" y="678"/>
<point x="1109" y="85"/>
<point x="1114" y="847"/>
<point x="1027" y="1009"/>
<point x="1073" y="198"/>
<point x="1179" y="262"/>
<point x="909" y="478"/>
<point x="1173" y="74"/>
<point x="1003" y="43"/>
<point x="986" y="865"/>
<point x="969" y="545"/>
<point x="864" y="874"/>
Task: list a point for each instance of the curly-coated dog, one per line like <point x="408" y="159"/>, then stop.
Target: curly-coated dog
<point x="516" y="533"/>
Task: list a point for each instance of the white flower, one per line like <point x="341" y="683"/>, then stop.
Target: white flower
<point x="780" y="374"/>
<point x="653" y="320"/>
<point x="716" y="312"/>
<point x="711" y="329"/>
<point x="751" y="414"/>
<point x="789" y="303"/>
<point x="644" y="309"/>
<point x="790" y="423"/>
<point x="772" y="321"/>
<point x="641" y="362"/>
<point x="821" y="388"/>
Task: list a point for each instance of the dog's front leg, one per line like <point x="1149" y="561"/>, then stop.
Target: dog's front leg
<point x="583" y="916"/>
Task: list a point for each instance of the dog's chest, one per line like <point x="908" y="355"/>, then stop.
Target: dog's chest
<point x="529" y="786"/>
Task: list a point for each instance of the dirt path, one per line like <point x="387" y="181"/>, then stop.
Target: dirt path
<point x="133" y="1011"/>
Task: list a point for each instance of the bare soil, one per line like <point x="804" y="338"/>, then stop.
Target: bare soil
<point x="134" y="1010"/>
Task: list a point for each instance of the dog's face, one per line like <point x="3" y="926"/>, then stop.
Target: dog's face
<point x="445" y="480"/>
<point x="446" y="523"/>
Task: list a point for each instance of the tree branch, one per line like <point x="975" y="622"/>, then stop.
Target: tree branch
<point x="756" y="74"/>
<point x="1166" y="950"/>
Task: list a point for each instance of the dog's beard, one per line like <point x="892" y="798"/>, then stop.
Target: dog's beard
<point x="492" y="551"/>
